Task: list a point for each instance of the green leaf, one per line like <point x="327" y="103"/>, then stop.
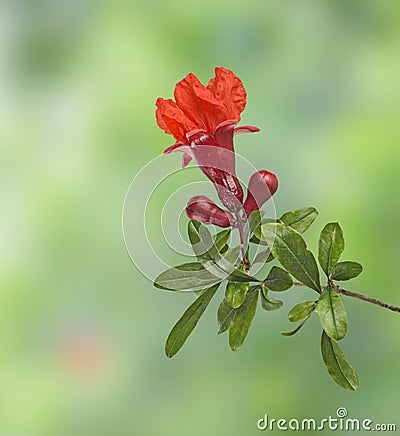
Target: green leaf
<point x="337" y="364"/>
<point x="300" y="219"/>
<point x="235" y="293"/>
<point x="267" y="302"/>
<point x="278" y="279"/>
<point x="290" y="249"/>
<point x="225" y="316"/>
<point x="332" y="314"/>
<point x="220" y="239"/>
<point x="331" y="246"/>
<point x="264" y="256"/>
<point x="202" y="242"/>
<point x="346" y="270"/>
<point x="256" y="238"/>
<point x="301" y="311"/>
<point x="188" y="322"/>
<point x="296" y="329"/>
<point x="189" y="276"/>
<point x="242" y="320"/>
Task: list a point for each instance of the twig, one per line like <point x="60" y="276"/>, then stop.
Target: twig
<point x="242" y="243"/>
<point x="341" y="291"/>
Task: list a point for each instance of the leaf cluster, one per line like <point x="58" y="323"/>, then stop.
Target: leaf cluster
<point x="218" y="264"/>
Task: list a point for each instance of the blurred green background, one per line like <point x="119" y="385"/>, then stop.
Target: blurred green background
<point x="81" y="330"/>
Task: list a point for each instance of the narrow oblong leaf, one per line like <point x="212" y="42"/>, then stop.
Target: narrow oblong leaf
<point x="332" y="314"/>
<point x="300" y="219"/>
<point x="220" y="239"/>
<point x="202" y="242"/>
<point x="301" y="311"/>
<point x="188" y="322"/>
<point x="235" y="293"/>
<point x="297" y="328"/>
<point x="337" y="364"/>
<point x="290" y="249"/>
<point x="188" y="276"/>
<point x="330" y="246"/>
<point x="242" y="320"/>
<point x="267" y="302"/>
<point x="278" y="279"/>
<point x="225" y="316"/>
<point x="346" y="270"/>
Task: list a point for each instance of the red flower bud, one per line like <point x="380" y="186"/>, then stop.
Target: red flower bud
<point x="205" y="210"/>
<point x="262" y="186"/>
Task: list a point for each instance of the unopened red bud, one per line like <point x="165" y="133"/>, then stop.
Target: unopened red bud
<point x="262" y="186"/>
<point x="206" y="211"/>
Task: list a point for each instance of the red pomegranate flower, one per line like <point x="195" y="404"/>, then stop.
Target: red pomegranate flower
<point x="203" y="121"/>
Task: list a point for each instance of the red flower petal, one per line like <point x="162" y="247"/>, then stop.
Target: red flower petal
<point x="178" y="146"/>
<point x="172" y="120"/>
<point x="224" y="134"/>
<point x="198" y="103"/>
<point x="228" y="89"/>
<point x="245" y="129"/>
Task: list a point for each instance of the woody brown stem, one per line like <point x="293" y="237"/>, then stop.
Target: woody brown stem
<point x="341" y="291"/>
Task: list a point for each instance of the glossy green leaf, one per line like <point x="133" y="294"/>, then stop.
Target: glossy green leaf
<point x="301" y="311"/>
<point x="202" y="242"/>
<point x="225" y="316"/>
<point x="188" y="322"/>
<point x="189" y="276"/>
<point x="278" y="279"/>
<point x="220" y="239"/>
<point x="331" y="246"/>
<point x="332" y="314"/>
<point x="243" y="318"/>
<point x="235" y="293"/>
<point x="297" y="328"/>
<point x="290" y="249"/>
<point x="337" y="364"/>
<point x="346" y="270"/>
<point x="267" y="302"/>
<point x="300" y="219"/>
